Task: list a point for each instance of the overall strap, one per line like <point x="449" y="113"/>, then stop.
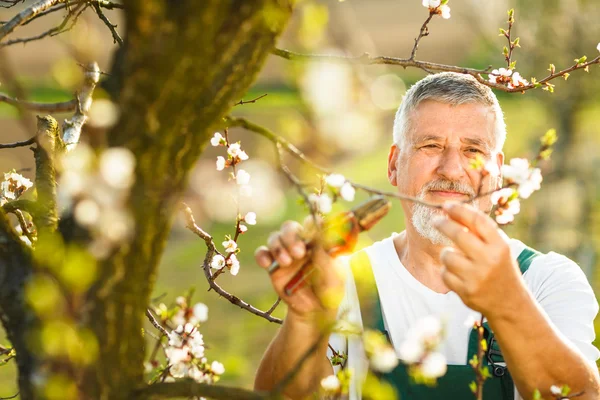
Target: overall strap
<point x="366" y="289"/>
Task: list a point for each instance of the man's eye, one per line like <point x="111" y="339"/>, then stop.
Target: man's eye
<point x="473" y="150"/>
<point x="431" y="146"/>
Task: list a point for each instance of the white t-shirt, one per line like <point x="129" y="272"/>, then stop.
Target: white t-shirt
<point x="556" y="282"/>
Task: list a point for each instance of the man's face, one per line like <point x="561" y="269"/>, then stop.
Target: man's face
<point x="433" y="161"/>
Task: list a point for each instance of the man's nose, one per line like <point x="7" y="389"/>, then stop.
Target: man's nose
<point x="451" y="165"/>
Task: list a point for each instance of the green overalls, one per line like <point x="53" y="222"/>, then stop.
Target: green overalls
<point x="455" y="383"/>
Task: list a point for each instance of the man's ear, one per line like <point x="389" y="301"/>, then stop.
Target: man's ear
<point x="393" y="164"/>
<point x="500" y="162"/>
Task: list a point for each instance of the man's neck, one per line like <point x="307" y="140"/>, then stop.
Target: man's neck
<point x="421" y="258"/>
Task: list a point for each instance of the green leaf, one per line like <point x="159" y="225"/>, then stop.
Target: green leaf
<point x="473" y="387"/>
<point x="515" y="43"/>
<point x="549" y="138"/>
<point x="565" y="390"/>
<point x="537" y="395"/>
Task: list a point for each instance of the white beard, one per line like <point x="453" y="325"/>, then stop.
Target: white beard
<point x="422" y="216"/>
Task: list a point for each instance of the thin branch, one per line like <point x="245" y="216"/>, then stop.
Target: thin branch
<point x="52" y="31"/>
<point x="191" y="225"/>
<point x="366" y="59"/>
<point x="422" y="33"/>
<point x="72" y="127"/>
<point x="293" y="150"/>
<point x="23" y="224"/>
<point x="26" y="15"/>
<point x="11" y="397"/>
<point x="189" y="388"/>
<point x="155" y="323"/>
<point x="29" y="206"/>
<point x="111" y="27"/>
<point x="18" y="144"/>
<point x="242" y="102"/>
<point x="65" y="106"/>
<point x="274" y="306"/>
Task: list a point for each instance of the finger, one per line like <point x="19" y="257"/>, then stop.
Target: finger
<point x="456" y="262"/>
<point x="453" y="282"/>
<point x="461" y="236"/>
<point x="475" y="220"/>
<point x="263" y="258"/>
<point x="291" y="240"/>
<point x="278" y="251"/>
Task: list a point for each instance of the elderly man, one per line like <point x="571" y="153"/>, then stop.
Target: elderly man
<point x="453" y="263"/>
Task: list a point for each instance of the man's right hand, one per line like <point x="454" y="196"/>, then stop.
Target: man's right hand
<point x="323" y="289"/>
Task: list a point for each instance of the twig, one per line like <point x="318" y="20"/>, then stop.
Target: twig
<point x="422" y="33"/>
<point x="23" y="224"/>
<point x="111" y="27"/>
<point x="72" y="127"/>
<point x="242" y="102"/>
<point x="155" y="323"/>
<point x="366" y="59"/>
<point x="26" y="15"/>
<point x="274" y="306"/>
<point x="18" y="144"/>
<point x="511" y="45"/>
<point x="52" y="31"/>
<point x="191" y="225"/>
<point x="65" y="106"/>
<point x="290" y="148"/>
<point x="11" y="397"/>
<point x="11" y="3"/>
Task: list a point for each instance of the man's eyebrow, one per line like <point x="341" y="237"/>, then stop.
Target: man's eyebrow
<point x="426" y="138"/>
<point x="476" y="142"/>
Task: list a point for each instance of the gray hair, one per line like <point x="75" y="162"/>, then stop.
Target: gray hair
<point x="451" y="88"/>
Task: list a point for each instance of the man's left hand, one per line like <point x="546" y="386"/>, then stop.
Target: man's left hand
<point x="480" y="269"/>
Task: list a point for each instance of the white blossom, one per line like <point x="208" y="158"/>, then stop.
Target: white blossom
<point x="175" y="339"/>
<point x="220" y="163"/>
<point x="322" y="202"/>
<point x="331" y="383"/>
<point x="411" y="351"/>
<point x="177" y="355"/>
<point x="508" y="205"/>
<point x="528" y="179"/>
<point x="234" y="265"/>
<point x="217" y="368"/>
<point x="196" y="374"/>
<point x="384" y="359"/>
<point x="517" y="80"/>
<point x="242" y="177"/>
<point x="200" y="312"/>
<point x="434" y="365"/>
<point x="13" y="186"/>
<point x="235" y="150"/>
<point x="250" y="218"/>
<point x="117" y="167"/>
<point x="218" y="262"/>
<point x="217" y="139"/>
<point x="347" y="192"/>
<point x="431" y="3"/>
<point x="178" y="370"/>
<point x="427" y="329"/>
<point x="335" y="180"/>
<point x="598" y="47"/>
<point x="242" y="228"/>
<point x="445" y="11"/>
<point x="179" y="317"/>
<point x="230" y="246"/>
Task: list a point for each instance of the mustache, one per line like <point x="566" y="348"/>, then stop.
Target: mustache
<point x="447" y="186"/>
